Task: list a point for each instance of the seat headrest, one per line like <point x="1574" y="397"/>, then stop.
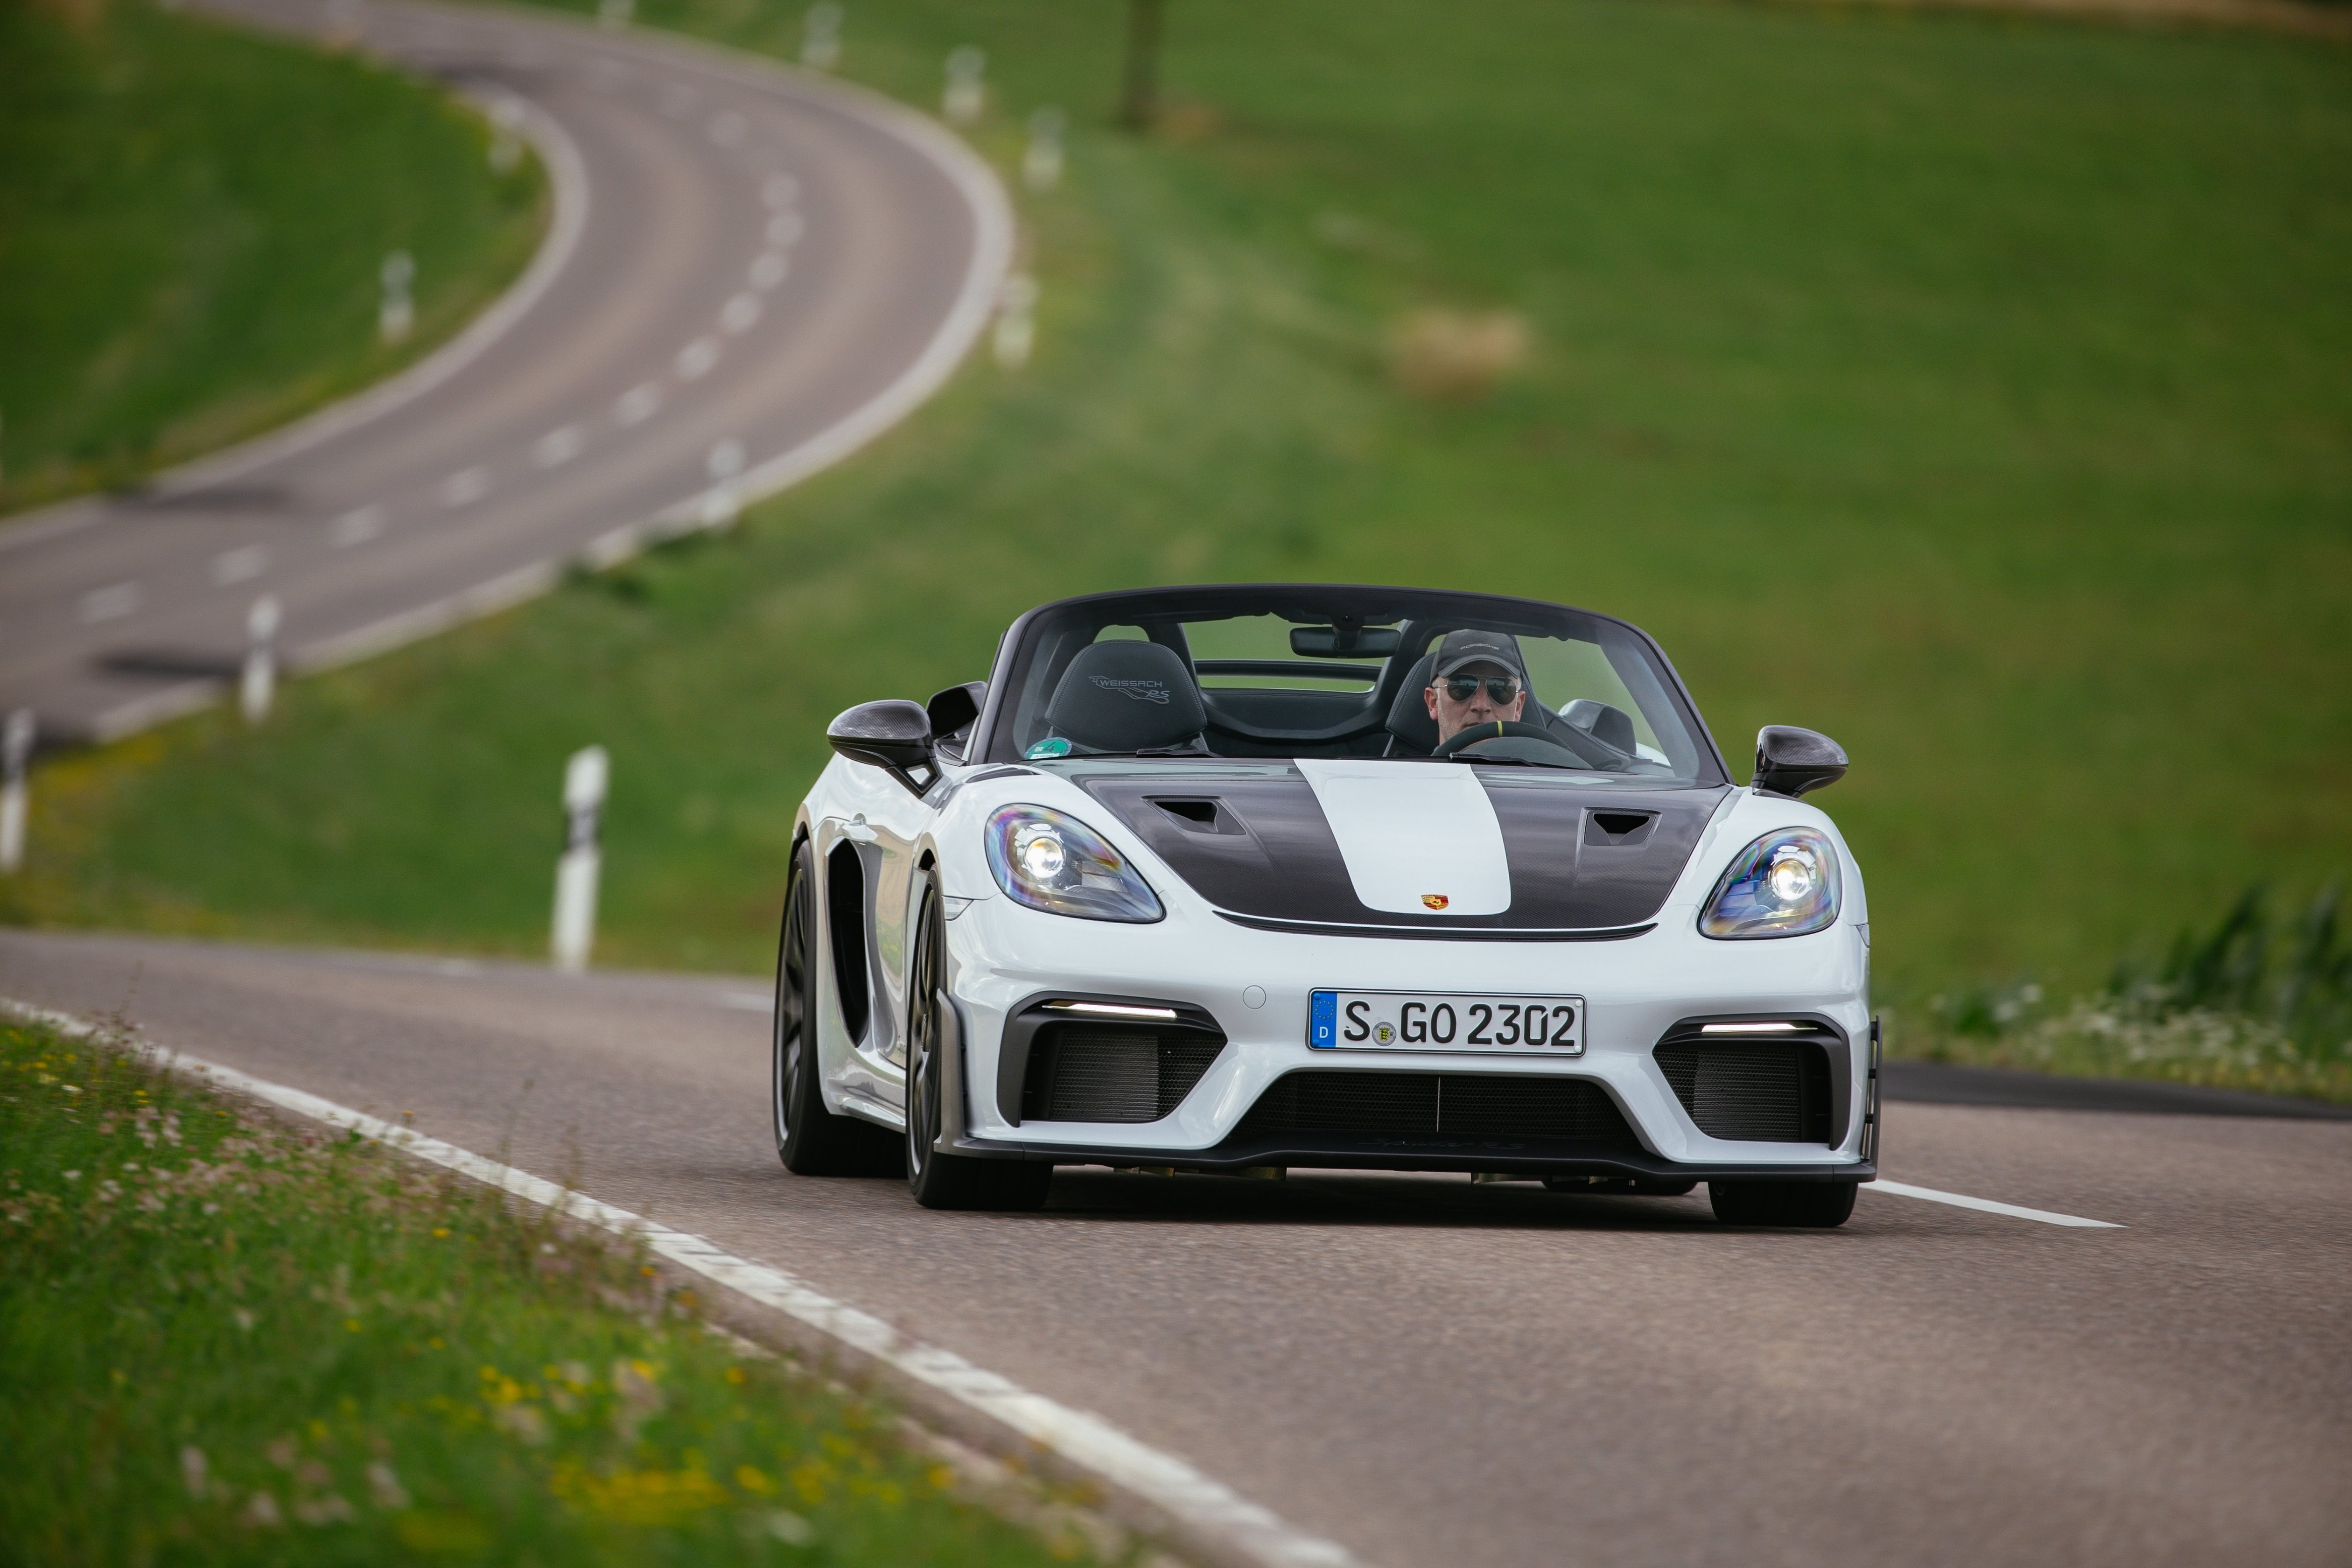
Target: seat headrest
<point x="1610" y="726"/>
<point x="1126" y="697"/>
<point x="1409" y="718"/>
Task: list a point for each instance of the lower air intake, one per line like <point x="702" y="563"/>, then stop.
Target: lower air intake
<point x="1087" y="1072"/>
<point x="1394" y="1104"/>
<point x="1754" y="1091"/>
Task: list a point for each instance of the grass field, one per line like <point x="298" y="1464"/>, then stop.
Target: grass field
<point x="192" y="221"/>
<point x="1970" y="388"/>
<point x="224" y="1342"/>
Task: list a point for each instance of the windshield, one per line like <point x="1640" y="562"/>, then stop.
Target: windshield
<point x="1333" y="672"/>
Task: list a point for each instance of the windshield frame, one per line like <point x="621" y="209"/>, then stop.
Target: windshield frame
<point x="1307" y="604"/>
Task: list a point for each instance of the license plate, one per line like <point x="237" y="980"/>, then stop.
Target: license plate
<point x="1437" y="1021"/>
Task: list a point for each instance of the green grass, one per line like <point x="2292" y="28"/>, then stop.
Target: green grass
<point x="192" y="221"/>
<point x="224" y="1342"/>
<point x="1969" y="388"/>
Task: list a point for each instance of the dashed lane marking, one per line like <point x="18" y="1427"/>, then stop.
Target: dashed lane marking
<point x="109" y="604"/>
<point x="355" y="527"/>
<point x="242" y="564"/>
<point x="1986" y="1206"/>
<point x="1198" y="1502"/>
<point x="559" y="446"/>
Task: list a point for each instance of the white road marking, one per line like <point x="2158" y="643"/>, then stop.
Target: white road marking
<point x="637" y="405"/>
<point x="725" y="459"/>
<point x="1960" y="1200"/>
<point x="739" y="313"/>
<point x="785" y="230"/>
<point x="728" y="129"/>
<point x="747" y="1000"/>
<point x="781" y="191"/>
<point x="109" y="604"/>
<point x="465" y="487"/>
<point x="695" y="359"/>
<point x="242" y="564"/>
<point x="1198" y="1500"/>
<point x="355" y="527"/>
<point x="768" y="269"/>
<point x="560" y="445"/>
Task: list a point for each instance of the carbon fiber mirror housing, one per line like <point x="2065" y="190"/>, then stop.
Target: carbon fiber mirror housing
<point x="1789" y="761"/>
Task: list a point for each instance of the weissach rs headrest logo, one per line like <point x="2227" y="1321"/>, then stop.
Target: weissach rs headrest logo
<point x="1134" y="690"/>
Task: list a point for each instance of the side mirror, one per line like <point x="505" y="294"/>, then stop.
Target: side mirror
<point x="894" y="735"/>
<point x="1789" y="761"/>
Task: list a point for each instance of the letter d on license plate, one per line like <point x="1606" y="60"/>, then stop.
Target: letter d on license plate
<point x="1440" y="1021"/>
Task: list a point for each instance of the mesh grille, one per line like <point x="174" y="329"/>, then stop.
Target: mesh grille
<point x="1761" y="1092"/>
<point x="1089" y="1073"/>
<point x="1376" y="1104"/>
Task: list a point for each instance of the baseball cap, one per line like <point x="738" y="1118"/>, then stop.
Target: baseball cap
<point x="1463" y="649"/>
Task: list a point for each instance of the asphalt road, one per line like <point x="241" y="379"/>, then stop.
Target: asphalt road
<point x="1437" y="1373"/>
<point x="751" y="271"/>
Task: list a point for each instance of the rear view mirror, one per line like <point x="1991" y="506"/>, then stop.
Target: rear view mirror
<point x="1344" y="642"/>
<point x="1789" y="761"/>
<point x="952" y="713"/>
<point x="894" y="735"/>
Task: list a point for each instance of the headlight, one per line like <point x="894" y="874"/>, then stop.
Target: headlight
<point x="1058" y="864"/>
<point x="1784" y="884"/>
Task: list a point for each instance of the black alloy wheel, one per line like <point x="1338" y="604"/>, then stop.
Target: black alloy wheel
<point x="1820" y="1205"/>
<point x="809" y="1139"/>
<point x="948" y="1181"/>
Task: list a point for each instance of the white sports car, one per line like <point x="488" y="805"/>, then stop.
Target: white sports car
<point x="1245" y="878"/>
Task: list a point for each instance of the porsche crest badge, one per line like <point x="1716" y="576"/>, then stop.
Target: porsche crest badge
<point x="1435" y="900"/>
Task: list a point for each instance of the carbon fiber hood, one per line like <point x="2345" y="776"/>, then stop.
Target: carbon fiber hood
<point x="1256" y="843"/>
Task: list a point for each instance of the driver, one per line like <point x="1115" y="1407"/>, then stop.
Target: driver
<point x="1475" y="680"/>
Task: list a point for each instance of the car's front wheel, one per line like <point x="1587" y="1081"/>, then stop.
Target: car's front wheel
<point x="948" y="1181"/>
<point x="1817" y="1205"/>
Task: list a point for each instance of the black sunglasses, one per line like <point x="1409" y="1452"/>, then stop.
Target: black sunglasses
<point x="1500" y="688"/>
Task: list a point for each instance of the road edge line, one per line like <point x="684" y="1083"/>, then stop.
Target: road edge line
<point x="1209" y="1516"/>
<point x="1986" y="1206"/>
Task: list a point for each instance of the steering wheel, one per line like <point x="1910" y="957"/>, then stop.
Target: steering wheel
<point x="1496" y="730"/>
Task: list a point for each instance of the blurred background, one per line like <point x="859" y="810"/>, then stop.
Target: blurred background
<point x="1970" y="386"/>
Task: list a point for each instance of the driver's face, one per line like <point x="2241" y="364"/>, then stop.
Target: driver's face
<point x="1453" y="717"/>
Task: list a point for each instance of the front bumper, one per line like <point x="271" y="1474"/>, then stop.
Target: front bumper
<point x="1255" y="985"/>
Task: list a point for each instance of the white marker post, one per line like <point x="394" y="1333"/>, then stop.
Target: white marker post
<point x="821" y="37"/>
<point x="576" y="869"/>
<point x="259" y="685"/>
<point x="720" y="503"/>
<point x="1041" y="163"/>
<point x="505" y="135"/>
<point x="1016" y="320"/>
<point x="15" y="755"/>
<point x="397" y="314"/>
<point x="964" y="96"/>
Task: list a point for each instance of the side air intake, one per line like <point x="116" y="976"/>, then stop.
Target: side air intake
<point x="1754" y="1081"/>
<point x="1102" y="1072"/>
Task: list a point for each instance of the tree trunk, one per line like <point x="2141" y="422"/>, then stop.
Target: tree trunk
<point x="1140" y="102"/>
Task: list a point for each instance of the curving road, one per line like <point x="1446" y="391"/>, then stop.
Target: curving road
<point x="751" y="271"/>
<point x="1431" y="1372"/>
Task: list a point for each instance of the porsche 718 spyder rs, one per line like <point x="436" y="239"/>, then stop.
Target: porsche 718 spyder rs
<point x="1245" y="878"/>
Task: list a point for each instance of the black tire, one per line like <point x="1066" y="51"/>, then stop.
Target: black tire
<point x="1620" y="1186"/>
<point x="949" y="1181"/>
<point x="809" y="1139"/>
<point x="1821" y="1206"/>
